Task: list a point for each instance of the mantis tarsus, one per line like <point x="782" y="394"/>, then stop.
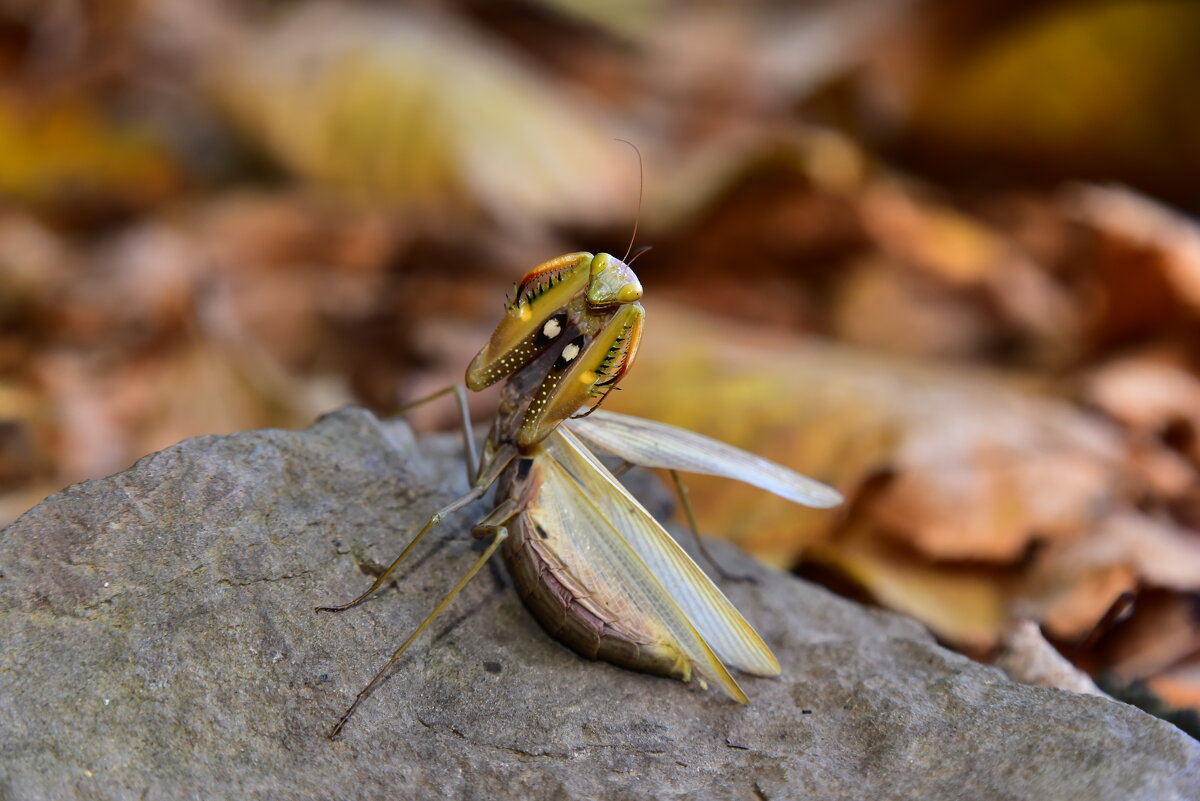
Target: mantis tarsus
<point x="590" y="563"/>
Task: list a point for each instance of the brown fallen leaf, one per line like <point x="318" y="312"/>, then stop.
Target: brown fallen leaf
<point x="1068" y="599"/>
<point x="971" y="258"/>
<point x="979" y="469"/>
<point x="963" y="604"/>
<point x="22" y="423"/>
<point x="1070" y="585"/>
<point x="1179" y="686"/>
<point x="1154" y="394"/>
<point x="924" y="317"/>
<point x="1138" y="222"/>
<point x="1162" y="632"/>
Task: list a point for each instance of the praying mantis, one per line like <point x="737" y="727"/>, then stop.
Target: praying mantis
<point x="590" y="563"/>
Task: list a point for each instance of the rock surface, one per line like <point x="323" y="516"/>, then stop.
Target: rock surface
<point x="158" y="641"/>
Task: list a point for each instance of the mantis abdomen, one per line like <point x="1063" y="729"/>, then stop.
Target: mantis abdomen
<point x="593" y="622"/>
<point x="580" y="597"/>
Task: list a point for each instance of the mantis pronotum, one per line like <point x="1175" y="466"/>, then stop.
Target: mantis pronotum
<point x="590" y="563"/>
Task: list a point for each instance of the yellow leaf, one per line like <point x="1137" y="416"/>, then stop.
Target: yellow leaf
<point x="385" y="105"/>
<point x="63" y="151"/>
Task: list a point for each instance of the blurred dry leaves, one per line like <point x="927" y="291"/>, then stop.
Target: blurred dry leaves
<point x="414" y="110"/>
<point x="220" y="216"/>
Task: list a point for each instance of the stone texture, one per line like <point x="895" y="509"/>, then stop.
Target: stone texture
<point x="158" y="641"/>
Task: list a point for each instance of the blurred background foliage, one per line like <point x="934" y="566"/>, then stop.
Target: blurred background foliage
<point x="942" y="255"/>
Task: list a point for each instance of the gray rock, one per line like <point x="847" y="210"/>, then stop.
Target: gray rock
<point x="159" y="642"/>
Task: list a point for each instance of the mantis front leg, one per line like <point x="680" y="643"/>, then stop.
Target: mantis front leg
<point x="489" y="473"/>
<point x="492" y="524"/>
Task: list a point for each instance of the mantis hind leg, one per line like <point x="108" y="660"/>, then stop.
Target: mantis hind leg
<point x="492" y="524"/>
<point x="682" y="492"/>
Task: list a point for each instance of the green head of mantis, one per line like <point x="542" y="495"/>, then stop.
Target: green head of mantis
<point x="611" y="282"/>
<point x="584" y="308"/>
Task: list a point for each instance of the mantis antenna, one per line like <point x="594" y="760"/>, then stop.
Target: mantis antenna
<point x="637" y="218"/>
<point x="638" y="253"/>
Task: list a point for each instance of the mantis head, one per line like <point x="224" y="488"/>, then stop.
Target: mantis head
<point x="582" y="306"/>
